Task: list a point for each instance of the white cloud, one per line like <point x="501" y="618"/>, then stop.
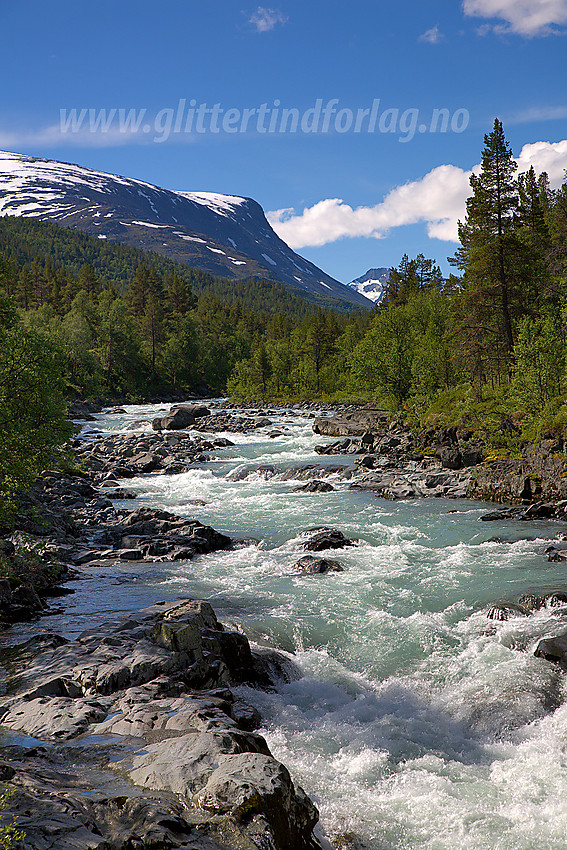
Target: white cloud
<point x="266" y="19"/>
<point x="432" y="36"/>
<point x="437" y="199"/>
<point x="545" y="156"/>
<point x="50" y="137"/>
<point x="525" y="17"/>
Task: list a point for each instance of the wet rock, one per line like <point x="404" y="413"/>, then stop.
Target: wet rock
<point x="553" y="649"/>
<point x="340" y="447"/>
<point x="315" y="486"/>
<point x="247" y="787"/>
<point x="310" y="471"/>
<point x="326" y="538"/>
<point x="497" y="516"/>
<point x="315" y="566"/>
<point x="252" y="472"/>
<point x="507" y="611"/>
<point x="151" y="691"/>
<point x="539" y="510"/>
<point x="183" y="765"/>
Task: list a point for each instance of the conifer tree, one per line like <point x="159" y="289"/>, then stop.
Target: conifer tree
<point x="489" y="245"/>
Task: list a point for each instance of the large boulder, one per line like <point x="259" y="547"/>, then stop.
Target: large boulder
<point x="257" y="786"/>
<point x="180" y="416"/>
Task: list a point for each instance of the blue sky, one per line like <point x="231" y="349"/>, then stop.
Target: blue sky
<point x="346" y="197"/>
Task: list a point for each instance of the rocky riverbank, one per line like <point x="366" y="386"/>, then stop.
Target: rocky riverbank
<point x="138" y="741"/>
<point x="398" y="463"/>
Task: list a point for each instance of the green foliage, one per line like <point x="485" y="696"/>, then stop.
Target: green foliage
<point x="539" y="371"/>
<point x="32" y="406"/>
<point x="10" y="835"/>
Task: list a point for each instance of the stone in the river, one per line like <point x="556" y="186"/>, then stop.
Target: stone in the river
<point x="252" y="472"/>
<point x="315" y="486"/>
<point x="553" y="649"/>
<point x="257" y="786"/>
<point x="495" y="516"/>
<point x="175" y="420"/>
<point x="314" y="566"/>
<point x="507" y="610"/>
<point x="326" y="538"/>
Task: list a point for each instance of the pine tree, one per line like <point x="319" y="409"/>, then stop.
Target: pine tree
<point x="489" y="252"/>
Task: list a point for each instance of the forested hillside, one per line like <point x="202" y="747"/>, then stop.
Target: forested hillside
<point x="131" y="324"/>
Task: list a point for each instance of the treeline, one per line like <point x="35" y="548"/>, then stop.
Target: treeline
<point x="486" y="345"/>
<point x="25" y="240"/>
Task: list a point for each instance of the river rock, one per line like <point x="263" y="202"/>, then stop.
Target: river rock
<point x="151" y="690"/>
<point x="252" y="472"/>
<point x="258" y="787"/>
<point x="507" y="611"/>
<point x="315" y="566"/>
<point x="326" y="538"/>
<point x="553" y="649"/>
<point x="315" y="486"/>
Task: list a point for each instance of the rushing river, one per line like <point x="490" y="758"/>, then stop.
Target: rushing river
<point x="418" y="722"/>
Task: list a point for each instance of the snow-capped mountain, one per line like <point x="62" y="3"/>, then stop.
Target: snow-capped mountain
<point x="226" y="235"/>
<point x="371" y="284"/>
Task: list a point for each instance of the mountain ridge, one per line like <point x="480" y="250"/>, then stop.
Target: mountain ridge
<point x="226" y="235"/>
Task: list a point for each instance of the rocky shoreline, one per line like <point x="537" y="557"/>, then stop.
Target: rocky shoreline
<point x="396" y="463"/>
<point x="140" y="741"/>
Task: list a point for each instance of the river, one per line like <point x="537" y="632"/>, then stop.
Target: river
<point x="418" y="722"/>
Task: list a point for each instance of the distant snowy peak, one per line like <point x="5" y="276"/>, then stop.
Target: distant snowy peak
<point x="372" y="284"/>
<point x="226" y="235"/>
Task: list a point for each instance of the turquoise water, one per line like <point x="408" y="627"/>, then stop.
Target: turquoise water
<point x="418" y="722"/>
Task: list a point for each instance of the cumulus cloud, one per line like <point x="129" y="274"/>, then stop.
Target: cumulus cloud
<point x="266" y="19"/>
<point x="545" y="156"/>
<point x="432" y="36"/>
<point x="525" y="17"/>
<point x="437" y="199"/>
